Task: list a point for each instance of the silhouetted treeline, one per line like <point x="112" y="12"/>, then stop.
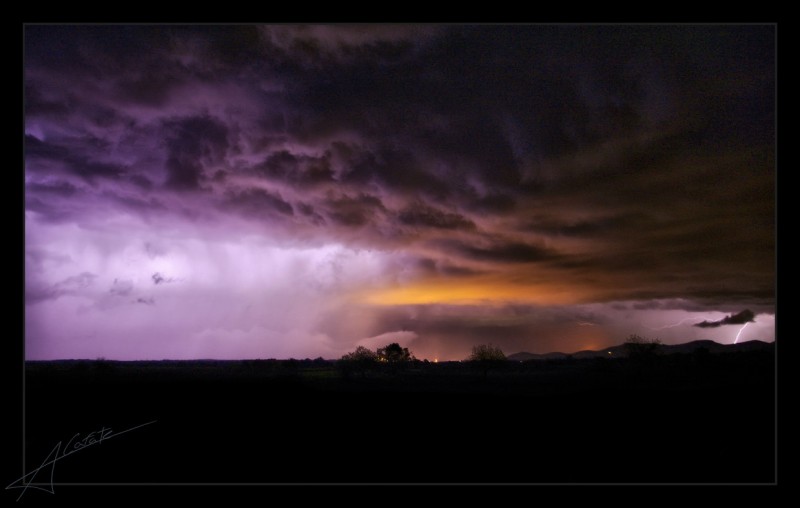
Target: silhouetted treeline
<point x="670" y="418"/>
<point x="698" y="365"/>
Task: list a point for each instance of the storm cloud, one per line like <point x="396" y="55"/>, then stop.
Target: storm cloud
<point x="511" y="165"/>
<point x="746" y="316"/>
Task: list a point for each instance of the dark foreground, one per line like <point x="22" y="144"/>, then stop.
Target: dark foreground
<point x="684" y="418"/>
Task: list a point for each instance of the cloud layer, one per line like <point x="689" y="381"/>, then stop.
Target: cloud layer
<point x="746" y="316"/>
<point x="534" y="165"/>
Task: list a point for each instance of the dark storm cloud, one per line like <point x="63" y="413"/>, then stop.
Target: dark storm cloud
<point x="496" y="252"/>
<point x="38" y="106"/>
<point x="140" y="205"/>
<point x="59" y="188"/>
<point x="492" y="203"/>
<point x="648" y="305"/>
<point x="192" y="144"/>
<point x="420" y="214"/>
<point x="121" y="287"/>
<point x="638" y="158"/>
<point x="402" y="171"/>
<point x="141" y="181"/>
<point x="40" y="153"/>
<point x="668" y="304"/>
<point x="38" y="149"/>
<point x="322" y="46"/>
<point x="354" y="211"/>
<point x="507" y="98"/>
<point x="457" y="271"/>
<point x="307" y="211"/>
<point x="91" y="169"/>
<point x="256" y="202"/>
<point x="299" y="170"/>
<point x="141" y="65"/>
<point x="55" y="200"/>
<point x="47" y="211"/>
<point x="429" y="267"/>
<point x="161" y="279"/>
<point x="390" y="167"/>
<point x="587" y="228"/>
<point x="92" y="49"/>
<point x="71" y="285"/>
<point x="745" y="316"/>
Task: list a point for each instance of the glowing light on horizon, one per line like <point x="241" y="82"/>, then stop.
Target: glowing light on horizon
<point x="466" y="293"/>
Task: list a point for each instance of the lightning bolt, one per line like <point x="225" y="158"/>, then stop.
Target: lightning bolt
<point x="673" y="325"/>
<point x="740" y="332"/>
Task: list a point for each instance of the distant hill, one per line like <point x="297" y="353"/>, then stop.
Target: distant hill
<point x="620" y="351"/>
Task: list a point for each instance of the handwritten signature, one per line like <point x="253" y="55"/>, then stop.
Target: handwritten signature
<point x="58" y="452"/>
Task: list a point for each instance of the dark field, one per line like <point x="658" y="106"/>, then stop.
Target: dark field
<point x="682" y="418"/>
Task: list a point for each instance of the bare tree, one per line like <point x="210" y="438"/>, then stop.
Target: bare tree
<point x="486" y="357"/>
<point x="361" y="360"/>
<point x="641" y="348"/>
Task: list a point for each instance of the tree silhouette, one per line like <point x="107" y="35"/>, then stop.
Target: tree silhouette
<point x="361" y="360"/>
<point x="641" y="348"/>
<point x="486" y="357"/>
<point x="394" y="353"/>
<point x="486" y="352"/>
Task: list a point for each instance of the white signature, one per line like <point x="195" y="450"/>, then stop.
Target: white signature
<point x="74" y="444"/>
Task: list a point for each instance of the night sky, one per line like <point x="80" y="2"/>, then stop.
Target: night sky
<point x="295" y="191"/>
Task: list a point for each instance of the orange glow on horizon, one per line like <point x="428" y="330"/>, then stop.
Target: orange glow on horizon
<point x="469" y="293"/>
